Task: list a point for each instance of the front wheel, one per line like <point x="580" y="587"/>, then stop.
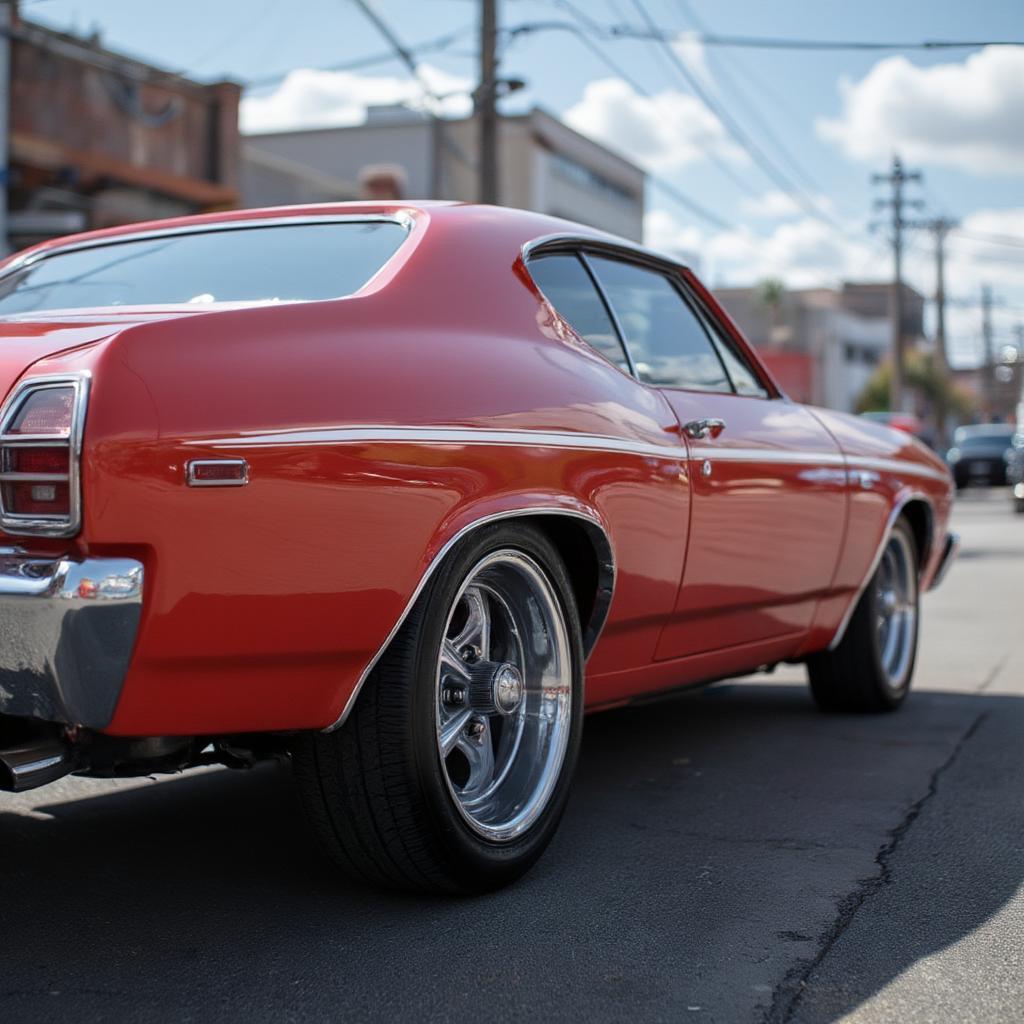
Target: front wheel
<point x="871" y="668"/>
<point x="453" y="769"/>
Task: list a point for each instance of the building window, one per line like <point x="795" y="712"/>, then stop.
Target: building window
<point x="576" y="173"/>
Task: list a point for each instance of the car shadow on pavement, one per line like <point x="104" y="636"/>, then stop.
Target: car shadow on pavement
<point x="717" y="851"/>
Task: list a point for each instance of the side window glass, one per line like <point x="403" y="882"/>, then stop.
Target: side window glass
<point x="744" y="380"/>
<point x="565" y="282"/>
<point x="666" y="339"/>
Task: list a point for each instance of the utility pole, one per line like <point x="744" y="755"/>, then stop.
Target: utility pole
<point x="7" y="12"/>
<point x="989" y="368"/>
<point x="486" y="104"/>
<point x="939" y="227"/>
<point x="897" y="178"/>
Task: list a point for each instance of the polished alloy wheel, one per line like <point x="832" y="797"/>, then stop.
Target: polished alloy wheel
<point x="503" y="695"/>
<point x="896" y="607"/>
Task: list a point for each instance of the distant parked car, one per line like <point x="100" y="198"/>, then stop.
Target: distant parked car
<point x="1015" y="470"/>
<point x="981" y="454"/>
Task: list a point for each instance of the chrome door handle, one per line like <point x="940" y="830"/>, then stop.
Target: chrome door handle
<point x="698" y="429"/>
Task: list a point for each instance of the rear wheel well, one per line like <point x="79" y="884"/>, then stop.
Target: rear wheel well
<point x="918" y="515"/>
<point x="588" y="559"/>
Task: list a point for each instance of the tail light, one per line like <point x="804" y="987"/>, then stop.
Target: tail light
<point x="40" y="450"/>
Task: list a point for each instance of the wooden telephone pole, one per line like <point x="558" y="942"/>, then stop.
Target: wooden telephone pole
<point x="486" y="104"/>
<point x="897" y="178"/>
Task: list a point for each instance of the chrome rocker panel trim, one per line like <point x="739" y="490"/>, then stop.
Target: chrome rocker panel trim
<point x="67" y="630"/>
<point x="602" y="601"/>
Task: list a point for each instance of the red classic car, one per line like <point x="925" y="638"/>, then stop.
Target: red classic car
<point x="401" y="491"/>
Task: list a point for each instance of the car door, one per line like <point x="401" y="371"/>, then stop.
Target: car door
<point x="768" y="484"/>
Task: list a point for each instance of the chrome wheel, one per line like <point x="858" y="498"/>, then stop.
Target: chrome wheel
<point x="896" y="609"/>
<point x="503" y="695"/>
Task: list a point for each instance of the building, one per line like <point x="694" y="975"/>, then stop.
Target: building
<point x="822" y="344"/>
<point x="268" y="179"/>
<point x="544" y="165"/>
<point x="96" y="138"/>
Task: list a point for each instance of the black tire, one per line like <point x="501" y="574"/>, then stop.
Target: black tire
<point x="1018" y="506"/>
<point x="852" y="677"/>
<point x="376" y="791"/>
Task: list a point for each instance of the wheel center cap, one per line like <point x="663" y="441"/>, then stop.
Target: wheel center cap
<point x="507" y="688"/>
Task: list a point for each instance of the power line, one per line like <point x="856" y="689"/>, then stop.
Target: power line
<point x="735" y="130"/>
<point x="665" y="186"/>
<point x="980" y="236"/>
<point x="775" y="43"/>
<point x="427" y="46"/>
<point x="783" y="150"/>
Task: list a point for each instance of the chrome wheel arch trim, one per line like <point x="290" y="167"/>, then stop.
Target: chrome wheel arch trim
<point x="902" y="501"/>
<point x="603" y="549"/>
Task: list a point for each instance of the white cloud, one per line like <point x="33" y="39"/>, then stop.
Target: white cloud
<point x="967" y="115"/>
<point x="307" y="98"/>
<point x="690" y="50"/>
<point x="776" y="205"/>
<point x="803" y="253"/>
<point x="661" y="133"/>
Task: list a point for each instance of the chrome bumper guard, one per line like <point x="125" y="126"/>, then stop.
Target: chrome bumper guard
<point x="67" y="629"/>
<point x="949" y="553"/>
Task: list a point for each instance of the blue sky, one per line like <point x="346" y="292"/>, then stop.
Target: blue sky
<point x="826" y="119"/>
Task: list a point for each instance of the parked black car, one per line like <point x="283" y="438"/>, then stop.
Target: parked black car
<point x="1015" y="470"/>
<point x="981" y="454"/>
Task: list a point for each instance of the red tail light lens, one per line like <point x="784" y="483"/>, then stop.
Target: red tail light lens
<point x="40" y="433"/>
<point x="48" y="459"/>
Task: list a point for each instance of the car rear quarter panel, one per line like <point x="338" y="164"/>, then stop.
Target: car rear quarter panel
<point x="265" y="603"/>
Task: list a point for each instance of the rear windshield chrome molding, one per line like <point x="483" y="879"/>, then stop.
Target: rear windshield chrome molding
<point x="402" y="218"/>
<point x="602" y="604"/>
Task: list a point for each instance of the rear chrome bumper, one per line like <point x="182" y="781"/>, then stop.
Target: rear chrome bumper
<point x="67" y="630"/>
<point x="949" y="553"/>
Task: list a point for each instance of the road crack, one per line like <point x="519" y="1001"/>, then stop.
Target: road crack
<point x="788" y="993"/>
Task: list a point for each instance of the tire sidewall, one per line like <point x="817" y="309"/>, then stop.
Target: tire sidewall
<point x="477" y="863"/>
<point x="893" y="695"/>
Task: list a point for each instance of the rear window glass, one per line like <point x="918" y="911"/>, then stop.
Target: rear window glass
<point x="284" y="263"/>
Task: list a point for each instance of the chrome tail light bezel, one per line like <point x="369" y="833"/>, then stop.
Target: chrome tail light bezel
<point x="40" y="525"/>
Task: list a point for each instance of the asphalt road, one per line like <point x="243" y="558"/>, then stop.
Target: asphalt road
<point x="730" y="855"/>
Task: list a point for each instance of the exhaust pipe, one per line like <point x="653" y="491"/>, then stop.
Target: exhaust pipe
<point x="35" y="763"/>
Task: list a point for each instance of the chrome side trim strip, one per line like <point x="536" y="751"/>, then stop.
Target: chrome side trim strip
<point x="894" y="514"/>
<point x="559" y="439"/>
<point x="445" y="435"/>
<point x="897" y="466"/>
<point x="602" y="603"/>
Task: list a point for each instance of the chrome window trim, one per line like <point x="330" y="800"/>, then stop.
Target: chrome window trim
<point x="400" y="217"/>
<point x="610" y="245"/>
<point x="40" y="525"/>
<point x="602" y="602"/>
<point x="894" y="514"/>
